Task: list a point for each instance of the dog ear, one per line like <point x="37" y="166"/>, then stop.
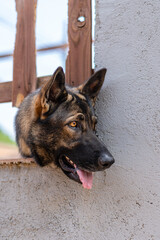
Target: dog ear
<point x="51" y="93"/>
<point x="92" y="87"/>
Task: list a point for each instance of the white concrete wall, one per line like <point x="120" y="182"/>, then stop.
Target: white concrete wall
<point x="43" y="204"/>
<point x="124" y="204"/>
<point x="127" y="42"/>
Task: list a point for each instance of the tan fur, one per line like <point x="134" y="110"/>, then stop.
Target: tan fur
<point x="24" y="147"/>
<point x="69" y="97"/>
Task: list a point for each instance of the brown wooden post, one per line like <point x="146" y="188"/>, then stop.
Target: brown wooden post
<point x="79" y="60"/>
<point x="24" y="65"/>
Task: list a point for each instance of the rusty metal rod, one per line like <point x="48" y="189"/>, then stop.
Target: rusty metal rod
<point x="42" y="49"/>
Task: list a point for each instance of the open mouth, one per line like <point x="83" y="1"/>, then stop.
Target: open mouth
<point x="76" y="174"/>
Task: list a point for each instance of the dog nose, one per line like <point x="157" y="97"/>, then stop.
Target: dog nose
<point x="105" y="160"/>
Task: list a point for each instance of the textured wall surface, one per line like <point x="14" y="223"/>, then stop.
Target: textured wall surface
<point x="127" y="42"/>
<point x="43" y="204"/>
<point x="124" y="204"/>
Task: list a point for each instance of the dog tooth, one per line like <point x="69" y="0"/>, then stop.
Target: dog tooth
<point x="69" y="160"/>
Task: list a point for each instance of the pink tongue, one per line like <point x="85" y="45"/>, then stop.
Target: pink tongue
<point x="86" y="178"/>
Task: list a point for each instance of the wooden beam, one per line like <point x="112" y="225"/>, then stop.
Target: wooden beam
<point x="5" y="92"/>
<point x="24" y="64"/>
<point x="6" y="88"/>
<point x="79" y="60"/>
<point x="42" y="80"/>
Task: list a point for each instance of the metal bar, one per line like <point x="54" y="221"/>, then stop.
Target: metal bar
<point x="42" y="49"/>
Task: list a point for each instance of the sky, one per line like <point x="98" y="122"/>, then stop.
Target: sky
<point x="51" y="29"/>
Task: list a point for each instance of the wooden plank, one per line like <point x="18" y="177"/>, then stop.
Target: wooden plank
<point x="6" y="88"/>
<point x="5" y="92"/>
<point x="42" y="80"/>
<point x="79" y="60"/>
<point x="24" y="65"/>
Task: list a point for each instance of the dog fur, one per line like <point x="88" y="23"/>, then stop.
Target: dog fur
<point x="56" y="124"/>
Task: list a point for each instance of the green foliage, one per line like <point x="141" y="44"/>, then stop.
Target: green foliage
<point x="5" y="139"/>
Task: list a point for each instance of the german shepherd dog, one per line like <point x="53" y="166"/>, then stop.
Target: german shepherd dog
<point x="56" y="124"/>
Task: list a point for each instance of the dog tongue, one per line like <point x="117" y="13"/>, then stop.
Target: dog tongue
<point x="86" y="178"/>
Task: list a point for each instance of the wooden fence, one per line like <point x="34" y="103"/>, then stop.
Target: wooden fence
<point x="79" y="60"/>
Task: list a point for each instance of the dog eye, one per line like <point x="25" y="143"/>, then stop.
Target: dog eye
<point x="73" y="124"/>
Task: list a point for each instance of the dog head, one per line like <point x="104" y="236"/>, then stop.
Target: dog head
<point x="63" y="130"/>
